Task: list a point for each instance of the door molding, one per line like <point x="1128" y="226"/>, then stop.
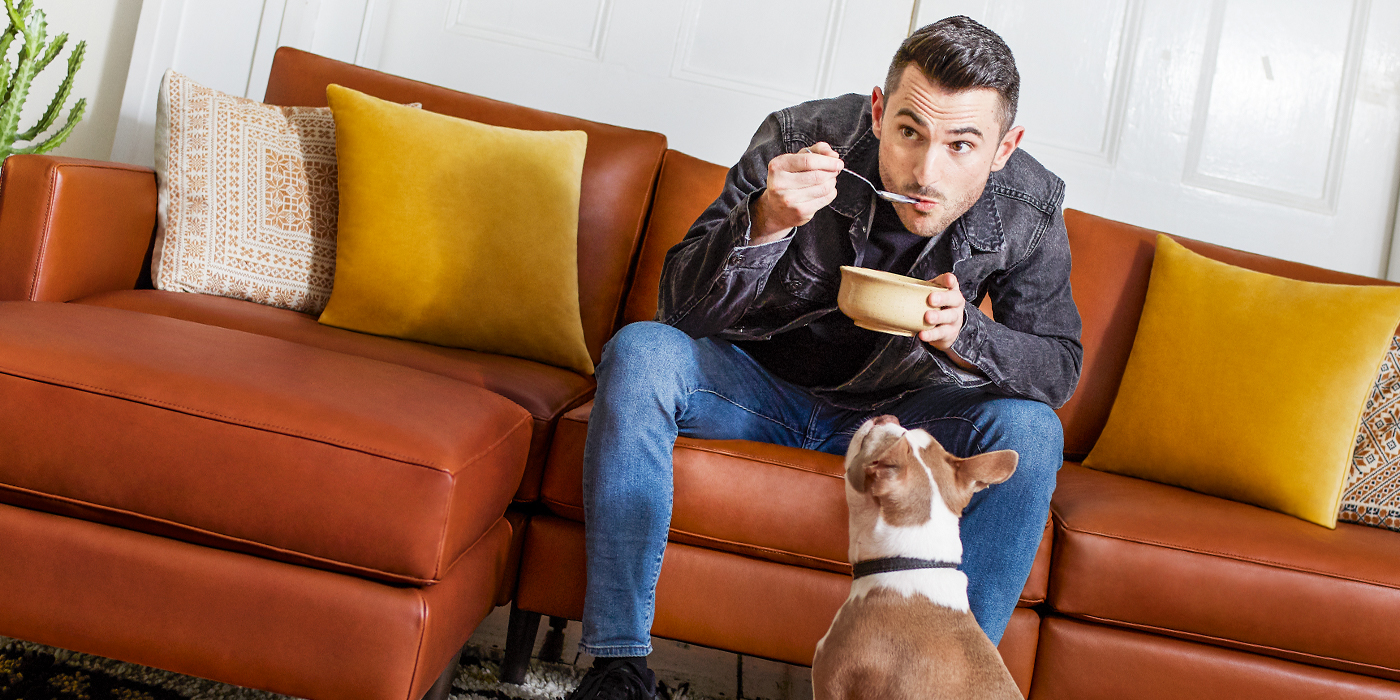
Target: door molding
<point x="294" y="23"/>
<point x="1326" y="202"/>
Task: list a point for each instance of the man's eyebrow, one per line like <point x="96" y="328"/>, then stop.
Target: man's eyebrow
<point x="956" y="131"/>
<point x="906" y="112"/>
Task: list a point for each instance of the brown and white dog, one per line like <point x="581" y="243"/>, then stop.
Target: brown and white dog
<point x="906" y="631"/>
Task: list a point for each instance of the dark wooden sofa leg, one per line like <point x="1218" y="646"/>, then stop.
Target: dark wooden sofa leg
<point x="520" y="642"/>
<point x="552" y="650"/>
<point x="443" y="687"/>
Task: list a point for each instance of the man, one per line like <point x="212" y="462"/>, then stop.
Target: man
<point x="750" y="344"/>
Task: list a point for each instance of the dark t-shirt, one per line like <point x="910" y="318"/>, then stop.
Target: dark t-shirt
<point x="832" y="349"/>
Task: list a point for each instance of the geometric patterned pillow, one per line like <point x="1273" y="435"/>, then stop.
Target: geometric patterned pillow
<point x="247" y="197"/>
<point x="1372" y="492"/>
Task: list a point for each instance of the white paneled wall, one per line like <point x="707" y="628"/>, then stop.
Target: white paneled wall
<point x="1267" y="125"/>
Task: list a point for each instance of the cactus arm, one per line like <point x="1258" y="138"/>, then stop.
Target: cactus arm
<point x="16" y="13"/>
<point x="10" y="33"/>
<point x="18" y="89"/>
<point x="53" y="50"/>
<point x="35" y="54"/>
<point x="59" y="136"/>
<point x="75" y="61"/>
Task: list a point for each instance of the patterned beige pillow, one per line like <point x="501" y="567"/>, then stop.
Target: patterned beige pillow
<point x="1372" y="492"/>
<point x="248" y="198"/>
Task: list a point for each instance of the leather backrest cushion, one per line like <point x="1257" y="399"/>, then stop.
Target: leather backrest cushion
<point x="1112" y="263"/>
<point x="618" y="172"/>
<point x="687" y="185"/>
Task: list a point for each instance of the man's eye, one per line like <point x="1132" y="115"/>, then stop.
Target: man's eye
<point x="960" y="146"/>
<point x="908" y="132"/>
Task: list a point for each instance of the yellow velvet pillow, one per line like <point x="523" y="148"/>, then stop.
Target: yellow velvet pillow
<point x="457" y="233"/>
<point x="1245" y="385"/>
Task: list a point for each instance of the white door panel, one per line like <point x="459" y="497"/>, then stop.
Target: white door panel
<point x="1267" y="125"/>
<point x="1264" y="125"/>
<point x="703" y="72"/>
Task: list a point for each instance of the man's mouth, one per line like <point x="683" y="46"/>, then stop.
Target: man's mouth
<point x="924" y="205"/>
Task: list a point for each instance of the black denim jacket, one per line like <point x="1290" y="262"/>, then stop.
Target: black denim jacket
<point x="1011" y="245"/>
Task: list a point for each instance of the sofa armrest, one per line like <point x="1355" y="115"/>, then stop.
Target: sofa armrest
<point x="71" y="227"/>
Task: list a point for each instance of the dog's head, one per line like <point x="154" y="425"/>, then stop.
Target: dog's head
<point x="906" y="473"/>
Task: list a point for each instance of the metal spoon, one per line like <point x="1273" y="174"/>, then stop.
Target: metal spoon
<point x="890" y="196"/>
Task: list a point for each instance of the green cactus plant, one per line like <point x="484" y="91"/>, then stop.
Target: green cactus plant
<point x="36" y="52"/>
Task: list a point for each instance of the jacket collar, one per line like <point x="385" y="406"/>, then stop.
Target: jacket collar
<point x="980" y="226"/>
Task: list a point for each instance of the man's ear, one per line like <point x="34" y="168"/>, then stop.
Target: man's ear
<point x="980" y="471"/>
<point x="877" y="110"/>
<point x="1009" y="142"/>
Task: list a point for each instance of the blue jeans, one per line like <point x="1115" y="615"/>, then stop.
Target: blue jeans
<point x="655" y="382"/>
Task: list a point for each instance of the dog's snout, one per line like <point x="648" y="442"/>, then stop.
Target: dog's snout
<point x="885" y="420"/>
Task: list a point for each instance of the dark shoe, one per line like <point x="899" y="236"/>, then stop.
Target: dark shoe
<point x="616" y="680"/>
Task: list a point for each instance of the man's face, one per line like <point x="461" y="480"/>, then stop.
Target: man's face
<point x="939" y="146"/>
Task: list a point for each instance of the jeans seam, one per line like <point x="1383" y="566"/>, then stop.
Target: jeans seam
<point x="591" y="649"/>
<point x="746" y="409"/>
<point x="915" y="426"/>
<point x="808" y="440"/>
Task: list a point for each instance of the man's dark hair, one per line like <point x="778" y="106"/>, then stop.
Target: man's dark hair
<point x="957" y="53"/>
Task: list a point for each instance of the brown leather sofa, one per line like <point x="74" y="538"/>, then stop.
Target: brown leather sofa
<point x="233" y="491"/>
<point x="1139" y="590"/>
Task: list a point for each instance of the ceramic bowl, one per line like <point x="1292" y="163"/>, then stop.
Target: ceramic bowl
<point x="883" y="301"/>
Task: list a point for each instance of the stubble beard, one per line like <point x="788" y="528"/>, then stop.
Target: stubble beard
<point x="937" y="221"/>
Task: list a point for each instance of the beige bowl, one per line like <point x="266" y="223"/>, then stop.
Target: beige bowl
<point x="883" y="301"/>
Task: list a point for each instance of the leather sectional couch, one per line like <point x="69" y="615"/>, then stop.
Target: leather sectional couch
<point x="234" y="491"/>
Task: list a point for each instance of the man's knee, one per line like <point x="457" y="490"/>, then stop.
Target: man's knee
<point x="638" y="348"/>
<point x="1029" y="427"/>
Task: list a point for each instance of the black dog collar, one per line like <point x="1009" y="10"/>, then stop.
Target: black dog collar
<point x="890" y="564"/>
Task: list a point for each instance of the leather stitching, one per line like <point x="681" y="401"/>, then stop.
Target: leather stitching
<point x="1226" y="555"/>
<point x="1226" y="642"/>
<point x="270" y="427"/>
<point x="447" y="518"/>
<point x="328" y="564"/>
<point x="47" y="222"/>
<point x="45" y="229"/>
<point x="764" y="460"/>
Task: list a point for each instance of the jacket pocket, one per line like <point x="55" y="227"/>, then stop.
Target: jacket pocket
<point x="804" y="280"/>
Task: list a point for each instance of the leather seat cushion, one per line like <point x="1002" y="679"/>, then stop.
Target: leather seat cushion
<point x="250" y="443"/>
<point x="1155" y="557"/>
<point x="544" y="391"/>
<point x="1093" y="662"/>
<point x="770" y="502"/>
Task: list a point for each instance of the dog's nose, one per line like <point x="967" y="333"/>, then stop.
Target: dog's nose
<point x="885" y="420"/>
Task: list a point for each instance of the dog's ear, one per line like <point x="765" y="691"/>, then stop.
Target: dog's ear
<point x="980" y="471"/>
<point x="883" y="478"/>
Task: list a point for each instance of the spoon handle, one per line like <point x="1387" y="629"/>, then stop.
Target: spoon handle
<point x="890" y="196"/>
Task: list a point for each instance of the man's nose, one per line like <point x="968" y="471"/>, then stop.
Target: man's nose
<point x="929" y="169"/>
